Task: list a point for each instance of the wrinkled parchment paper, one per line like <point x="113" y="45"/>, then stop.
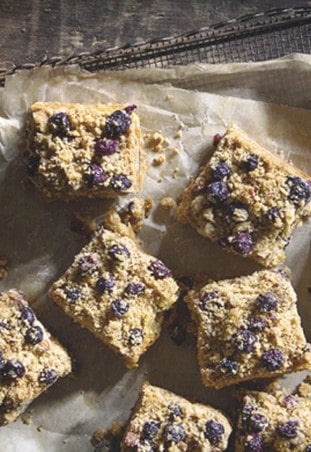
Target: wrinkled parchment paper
<point x="199" y="100"/>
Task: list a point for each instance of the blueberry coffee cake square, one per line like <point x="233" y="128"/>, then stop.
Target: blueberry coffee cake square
<point x="118" y="291"/>
<point x="162" y="420"/>
<point x="246" y="199"/>
<point x="84" y="150"/>
<point x="31" y="360"/>
<point x="248" y="328"/>
<point x="275" y="420"/>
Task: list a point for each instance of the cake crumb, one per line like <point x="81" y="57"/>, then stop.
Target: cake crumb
<point x="170" y="97"/>
<point x="168" y="203"/>
<point x="40" y="428"/>
<point x="156" y="142"/>
<point x="178" y="134"/>
<point x="72" y="172"/>
<point x="175" y="415"/>
<point x="136" y="211"/>
<point x="27" y="419"/>
<point x="157" y="161"/>
<point x="175" y="173"/>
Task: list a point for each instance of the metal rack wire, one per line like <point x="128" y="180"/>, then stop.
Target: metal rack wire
<point x="257" y="37"/>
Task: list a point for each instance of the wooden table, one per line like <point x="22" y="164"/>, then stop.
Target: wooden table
<point x="31" y="30"/>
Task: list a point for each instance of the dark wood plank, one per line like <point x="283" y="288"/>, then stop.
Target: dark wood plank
<point x="33" y="29"/>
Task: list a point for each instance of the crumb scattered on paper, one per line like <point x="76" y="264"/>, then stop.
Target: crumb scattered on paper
<point x="26" y="418"/>
<point x="168" y="203"/>
<point x="157" y="161"/>
<point x="156" y="142"/>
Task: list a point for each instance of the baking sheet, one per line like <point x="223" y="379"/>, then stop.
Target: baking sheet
<point x="40" y="245"/>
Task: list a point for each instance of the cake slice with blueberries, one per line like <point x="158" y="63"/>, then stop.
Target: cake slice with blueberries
<point x="247" y="199"/>
<point x="248" y="328"/>
<point x="118" y="291"/>
<point x="31" y="360"/>
<point x="162" y="420"/>
<point x="275" y="419"/>
<point x="84" y="150"/>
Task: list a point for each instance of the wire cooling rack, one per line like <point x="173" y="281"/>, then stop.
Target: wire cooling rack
<point x="256" y="37"/>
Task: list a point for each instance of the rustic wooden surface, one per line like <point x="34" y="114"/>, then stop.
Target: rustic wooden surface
<point x="31" y="30"/>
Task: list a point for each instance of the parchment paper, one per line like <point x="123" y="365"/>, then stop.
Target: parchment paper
<point x="37" y="238"/>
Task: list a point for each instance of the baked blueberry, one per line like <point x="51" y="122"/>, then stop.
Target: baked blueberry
<point x="72" y="293"/>
<point x="130" y="108"/>
<point x="59" y="124"/>
<point x="13" y="369"/>
<point x="257" y="324"/>
<point x="267" y="302"/>
<point x="175" y="412"/>
<point x="120" y="182"/>
<point x="87" y="264"/>
<point x="251" y="163"/>
<point x="243" y="243"/>
<point x="105" y="284"/>
<point x="214" y="431"/>
<point x="120" y="307"/>
<point x="34" y="335"/>
<point x="228" y="366"/>
<point x="134" y="288"/>
<point x="245" y="340"/>
<point x="118" y="252"/>
<point x="174" y="433"/>
<point x="106" y="146"/>
<point x="289" y="401"/>
<point x="150" y="429"/>
<point x="159" y="270"/>
<point x="254" y="443"/>
<point x="299" y="190"/>
<point x="220" y="171"/>
<point x="216" y="139"/>
<point x="272" y="359"/>
<point x="48" y="376"/>
<point x="27" y="314"/>
<point x="217" y="191"/>
<point x="257" y="423"/>
<point x="273" y="214"/>
<point x="288" y="430"/>
<point x="206" y="298"/>
<point x="247" y="411"/>
<point x="117" y="124"/>
<point x="98" y="175"/>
